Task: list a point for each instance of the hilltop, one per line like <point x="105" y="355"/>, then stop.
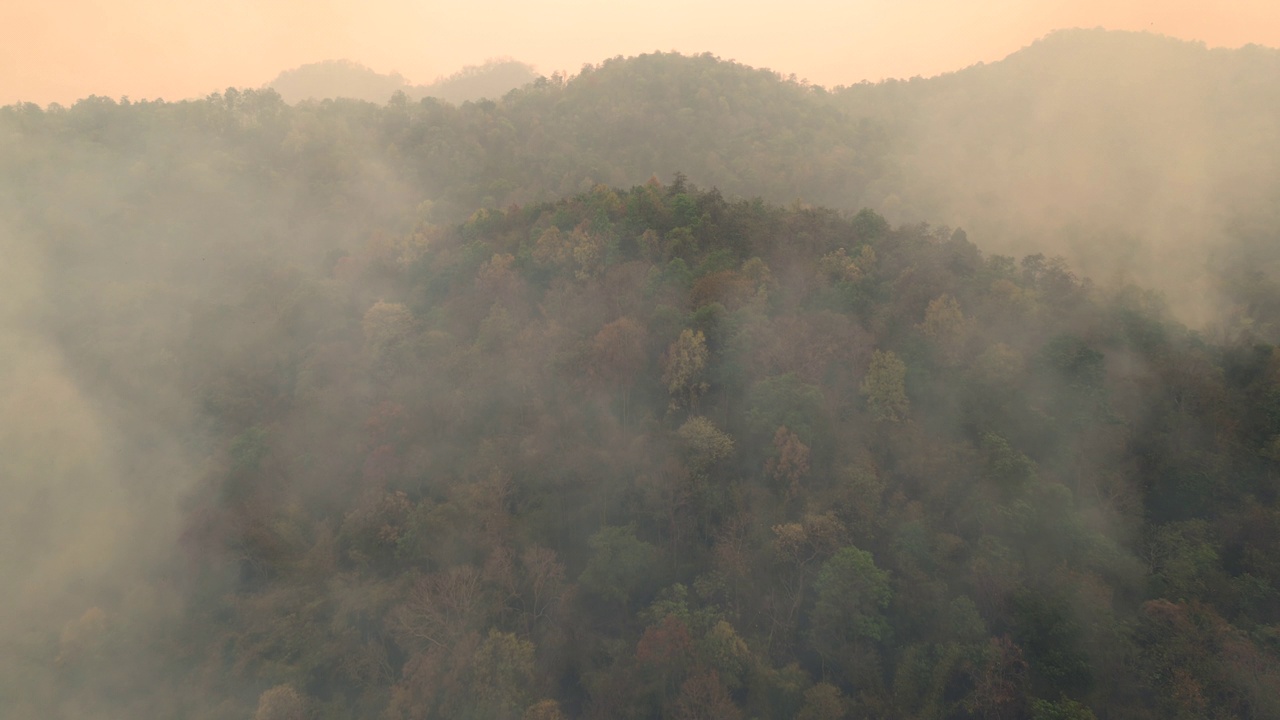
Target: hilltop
<point x="348" y="79"/>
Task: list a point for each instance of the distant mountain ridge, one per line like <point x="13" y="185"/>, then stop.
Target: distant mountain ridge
<point x="1139" y="158"/>
<point x="350" y="79"/>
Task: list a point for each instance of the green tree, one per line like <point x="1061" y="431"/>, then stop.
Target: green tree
<point x="851" y="597"/>
<point x="823" y="701"/>
<point x="684" y="366"/>
<point x="502" y="675"/>
<point x="885" y="387"/>
<point x="947" y="327"/>
<point x="621" y="564"/>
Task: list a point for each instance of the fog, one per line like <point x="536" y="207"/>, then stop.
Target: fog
<point x="1136" y="157"/>
<point x="672" y="386"/>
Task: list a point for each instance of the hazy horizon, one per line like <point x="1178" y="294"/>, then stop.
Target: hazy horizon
<point x="67" y="50"/>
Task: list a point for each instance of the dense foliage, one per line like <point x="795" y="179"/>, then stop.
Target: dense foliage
<point x="652" y="453"/>
<point x="474" y="435"/>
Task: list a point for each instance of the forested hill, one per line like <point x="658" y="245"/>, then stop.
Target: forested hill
<point x="420" y="410"/>
<point x="1136" y="157"/>
<point x="651" y="453"/>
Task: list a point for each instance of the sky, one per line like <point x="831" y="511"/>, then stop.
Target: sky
<point x="63" y="50"/>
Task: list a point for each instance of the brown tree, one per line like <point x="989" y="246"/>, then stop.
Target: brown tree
<point x="618" y="357"/>
<point x="281" y="702"/>
<point x="684" y="366"/>
<point x="704" y="697"/>
<point x="790" y="462"/>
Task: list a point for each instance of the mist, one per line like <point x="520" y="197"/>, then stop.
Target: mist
<point x="669" y="387"/>
<point x="1136" y="157"/>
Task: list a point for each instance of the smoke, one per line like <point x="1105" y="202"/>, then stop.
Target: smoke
<point x="1139" y="158"/>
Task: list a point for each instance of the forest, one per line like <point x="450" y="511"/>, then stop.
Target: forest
<point x="672" y="389"/>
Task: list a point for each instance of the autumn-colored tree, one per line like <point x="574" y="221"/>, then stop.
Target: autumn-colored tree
<point x="552" y="248"/>
<point x="684" y="366"/>
<point x="839" y="266"/>
<point x="281" y="702"/>
<point x="544" y="710"/>
<point x="1000" y="690"/>
<point x="387" y="325"/>
<point x="543" y="583"/>
<point x="497" y="278"/>
<point x="588" y="253"/>
<point x="884" y="386"/>
<point x="727" y="287"/>
<point x="705" y="443"/>
<point x="704" y="697"/>
<point x="947" y="327"/>
<point x="617" y="356"/>
<point x="790" y="461"/>
<point x="801" y="546"/>
<point x="665" y="645"/>
<point x="823" y="701"/>
<point x="440" y="609"/>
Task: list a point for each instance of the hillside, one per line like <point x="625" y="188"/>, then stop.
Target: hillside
<point x="636" y="453"/>
<point x="673" y="389"/>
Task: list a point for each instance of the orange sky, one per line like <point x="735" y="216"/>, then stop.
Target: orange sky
<point x="61" y="50"/>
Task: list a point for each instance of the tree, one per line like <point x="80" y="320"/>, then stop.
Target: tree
<point x="823" y="702"/>
<point x="683" y="367"/>
<point x="885" y="388"/>
<point x="664" y="652"/>
<point x="617" y="356"/>
<point x="726" y="652"/>
<point x="705" y="443"/>
<point x="620" y="565"/>
<point x="544" y="710"/>
<point x="440" y="609"/>
<point x="502" y="674"/>
<point x="947" y="327"/>
<point x="551" y="249"/>
<point x="544" y="582"/>
<point x="386" y="325"/>
<point x="704" y="697"/>
<point x="1001" y="687"/>
<point x="851" y="596"/>
<point x="281" y="702"/>
<point x="790" y="462"/>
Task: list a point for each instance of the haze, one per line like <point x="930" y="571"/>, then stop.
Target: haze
<point x="63" y="50"/>
<point x="667" y="388"/>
